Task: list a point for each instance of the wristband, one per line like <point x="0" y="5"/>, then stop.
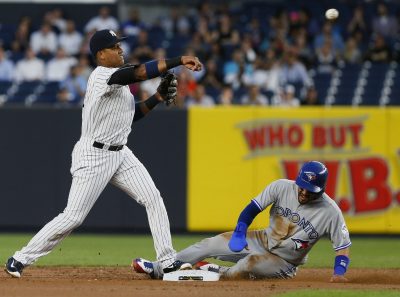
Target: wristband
<point x="341" y="264"/>
<point x="171" y="63"/>
<point x="151" y="102"/>
<point x="152" y="69"/>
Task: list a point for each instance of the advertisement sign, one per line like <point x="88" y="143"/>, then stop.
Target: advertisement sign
<point x="235" y="152"/>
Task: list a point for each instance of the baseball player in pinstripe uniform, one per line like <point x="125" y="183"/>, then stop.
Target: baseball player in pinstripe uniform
<point x="101" y="156"/>
<point x="300" y="214"/>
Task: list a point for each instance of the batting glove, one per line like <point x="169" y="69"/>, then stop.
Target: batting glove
<point x="238" y="240"/>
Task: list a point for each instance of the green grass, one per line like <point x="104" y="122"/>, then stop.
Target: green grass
<point x="376" y="252"/>
<point x="113" y="250"/>
<point x="340" y="293"/>
<point x="92" y="250"/>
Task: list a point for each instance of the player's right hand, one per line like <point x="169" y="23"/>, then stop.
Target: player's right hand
<point x="238" y="240"/>
<point x="191" y="63"/>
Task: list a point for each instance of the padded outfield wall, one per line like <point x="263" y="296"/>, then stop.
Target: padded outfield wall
<point x="234" y="153"/>
<point x="208" y="164"/>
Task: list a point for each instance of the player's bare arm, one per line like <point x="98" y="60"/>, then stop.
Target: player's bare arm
<point x="129" y="74"/>
<point x="341" y="263"/>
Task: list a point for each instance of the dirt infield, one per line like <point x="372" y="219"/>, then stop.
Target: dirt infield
<point x="121" y="281"/>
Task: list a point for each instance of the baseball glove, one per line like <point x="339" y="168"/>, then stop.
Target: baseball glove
<point x="168" y="88"/>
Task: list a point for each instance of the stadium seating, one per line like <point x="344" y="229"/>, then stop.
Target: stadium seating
<point x="22" y="92"/>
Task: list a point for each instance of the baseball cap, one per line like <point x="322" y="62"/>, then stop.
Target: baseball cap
<point x="103" y="39"/>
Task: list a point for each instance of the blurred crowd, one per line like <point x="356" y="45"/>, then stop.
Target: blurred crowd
<point x="249" y="60"/>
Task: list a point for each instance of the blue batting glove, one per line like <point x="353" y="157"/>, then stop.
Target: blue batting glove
<point x="238" y="240"/>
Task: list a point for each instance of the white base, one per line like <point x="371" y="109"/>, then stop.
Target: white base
<point x="191" y="275"/>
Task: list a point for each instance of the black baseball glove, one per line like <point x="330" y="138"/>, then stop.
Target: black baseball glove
<point x="168" y="88"/>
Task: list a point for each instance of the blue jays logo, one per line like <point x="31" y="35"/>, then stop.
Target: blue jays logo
<point x="300" y="244"/>
<point x="310" y="175"/>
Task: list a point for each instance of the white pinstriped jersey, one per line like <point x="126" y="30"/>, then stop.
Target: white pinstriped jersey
<point x="294" y="228"/>
<point x="106" y="118"/>
<point x="108" y="110"/>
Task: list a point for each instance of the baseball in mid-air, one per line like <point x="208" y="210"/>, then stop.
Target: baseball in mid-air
<point x="332" y="14"/>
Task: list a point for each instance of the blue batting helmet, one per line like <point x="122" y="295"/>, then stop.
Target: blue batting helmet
<point x="312" y="177"/>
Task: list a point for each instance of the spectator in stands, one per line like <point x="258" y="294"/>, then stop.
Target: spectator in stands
<point x="311" y="97"/>
<point x="72" y="89"/>
<point x="199" y="46"/>
<point x="326" y="58"/>
<point x="352" y="53"/>
<point x="84" y="63"/>
<point x="71" y="39"/>
<point x="226" y="35"/>
<point x="133" y="25"/>
<point x="259" y="76"/>
<point x="21" y="37"/>
<point x="235" y="68"/>
<point x="379" y="52"/>
<point x="102" y="21"/>
<point x="292" y="71"/>
<point x="58" y="68"/>
<point x="329" y="33"/>
<point x="265" y="74"/>
<point x="303" y="49"/>
<point x="186" y="86"/>
<point x="307" y="22"/>
<point x="286" y="97"/>
<point x="44" y="41"/>
<point x="254" y="31"/>
<point x="30" y="68"/>
<point x="254" y="97"/>
<point x="6" y="67"/>
<point x="358" y="24"/>
<point x="56" y="19"/>
<point x="177" y="23"/>
<point x="142" y="49"/>
<point x="199" y="98"/>
<point x="383" y="23"/>
<point x="226" y="96"/>
<point x="248" y="50"/>
<point x="211" y="78"/>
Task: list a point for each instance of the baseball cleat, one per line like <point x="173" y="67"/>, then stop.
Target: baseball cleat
<point x="141" y="265"/>
<point x="207" y="266"/>
<point x="14" y="268"/>
<point x="177" y="265"/>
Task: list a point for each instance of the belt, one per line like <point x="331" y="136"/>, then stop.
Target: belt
<point x="100" y="145"/>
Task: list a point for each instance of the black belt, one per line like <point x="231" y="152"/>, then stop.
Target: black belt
<point x="109" y="148"/>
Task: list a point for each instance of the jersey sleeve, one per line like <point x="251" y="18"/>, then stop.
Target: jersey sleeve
<point x="268" y="196"/>
<point x="338" y="232"/>
<point x="100" y="81"/>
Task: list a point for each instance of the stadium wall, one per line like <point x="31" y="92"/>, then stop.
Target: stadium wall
<point x="35" y="158"/>
<point x="208" y="164"/>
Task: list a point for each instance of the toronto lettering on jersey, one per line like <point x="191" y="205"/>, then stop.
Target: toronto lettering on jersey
<point x="297" y="219"/>
<point x="340" y="141"/>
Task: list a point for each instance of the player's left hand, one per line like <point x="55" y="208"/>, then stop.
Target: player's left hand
<point x="191" y="63"/>
<point x="338" y="279"/>
<point x="168" y="88"/>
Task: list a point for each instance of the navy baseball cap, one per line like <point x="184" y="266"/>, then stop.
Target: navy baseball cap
<point x="103" y="39"/>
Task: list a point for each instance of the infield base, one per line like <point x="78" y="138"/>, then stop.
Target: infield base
<point x="191" y="275"/>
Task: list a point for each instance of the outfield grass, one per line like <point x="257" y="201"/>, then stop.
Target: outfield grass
<point x="113" y="250"/>
<point x="340" y="293"/>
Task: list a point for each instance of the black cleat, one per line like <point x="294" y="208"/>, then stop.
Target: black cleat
<point x="14" y="268"/>
<point x="177" y="265"/>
